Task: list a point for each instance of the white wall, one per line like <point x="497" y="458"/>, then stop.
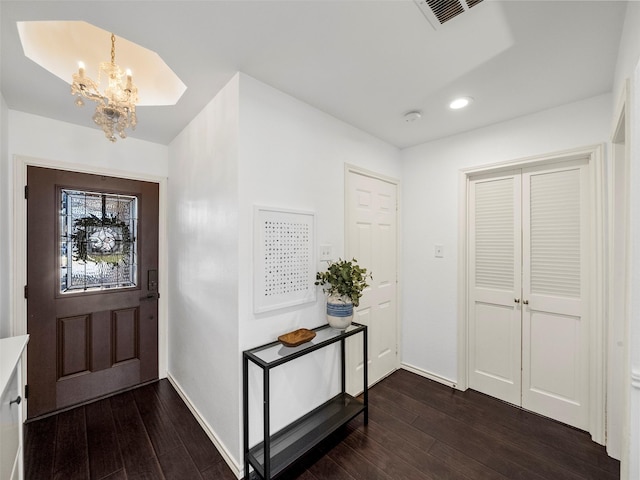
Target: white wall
<point x="40" y="137"/>
<point x="430" y="216"/>
<point x="629" y="50"/>
<point x="628" y="67"/>
<point x="5" y="217"/>
<point x="5" y="320"/>
<point x="293" y="156"/>
<point x="251" y="145"/>
<point x="631" y="468"/>
<point x="202" y="222"/>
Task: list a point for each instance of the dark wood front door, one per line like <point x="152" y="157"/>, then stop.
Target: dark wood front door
<point x="92" y="264"/>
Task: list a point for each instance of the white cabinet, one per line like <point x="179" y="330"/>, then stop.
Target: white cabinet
<point x="11" y="463"/>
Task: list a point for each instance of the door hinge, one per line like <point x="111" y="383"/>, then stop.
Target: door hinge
<point x="26" y="391"/>
<point x="26" y="192"/>
<point x="26" y="291"/>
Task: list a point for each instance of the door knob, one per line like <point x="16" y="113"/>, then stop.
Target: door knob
<point x="16" y="401"/>
<point x="517" y="300"/>
<point x="526" y="302"/>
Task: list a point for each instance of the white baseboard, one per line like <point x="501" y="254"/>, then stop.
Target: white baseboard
<point x="431" y="376"/>
<point x="228" y="458"/>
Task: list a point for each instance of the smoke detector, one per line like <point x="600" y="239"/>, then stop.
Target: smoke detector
<point x="438" y="12"/>
<point x="412" y="116"/>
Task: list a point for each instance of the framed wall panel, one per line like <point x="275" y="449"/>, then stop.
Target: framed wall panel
<point x="284" y="261"/>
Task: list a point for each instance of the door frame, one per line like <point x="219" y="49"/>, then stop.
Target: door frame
<point x="620" y="166"/>
<point x="597" y="291"/>
<point x="349" y="168"/>
<point x="18" y="305"/>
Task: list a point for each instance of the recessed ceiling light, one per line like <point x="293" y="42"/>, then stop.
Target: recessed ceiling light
<point x="412" y="116"/>
<point x="459" y="103"/>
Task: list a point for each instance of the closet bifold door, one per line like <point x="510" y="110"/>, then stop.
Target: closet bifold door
<point x="555" y="320"/>
<point x="494" y="310"/>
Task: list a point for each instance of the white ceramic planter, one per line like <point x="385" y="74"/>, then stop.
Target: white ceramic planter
<point x="339" y="312"/>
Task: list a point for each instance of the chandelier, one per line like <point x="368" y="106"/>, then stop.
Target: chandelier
<point x="116" y="107"/>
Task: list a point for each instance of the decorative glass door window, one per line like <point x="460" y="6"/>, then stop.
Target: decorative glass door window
<point x="98" y="234"/>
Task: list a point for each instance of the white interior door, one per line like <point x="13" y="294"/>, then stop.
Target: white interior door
<point x="495" y="286"/>
<point x="555" y="334"/>
<point x="528" y="288"/>
<point x="371" y="216"/>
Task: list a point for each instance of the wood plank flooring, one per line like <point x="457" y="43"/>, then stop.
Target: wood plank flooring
<point x="418" y="429"/>
<point x="146" y="433"/>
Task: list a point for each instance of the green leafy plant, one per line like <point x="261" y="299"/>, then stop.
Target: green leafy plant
<point x="344" y="278"/>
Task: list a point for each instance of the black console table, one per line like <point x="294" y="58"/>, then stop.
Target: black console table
<point x="276" y="452"/>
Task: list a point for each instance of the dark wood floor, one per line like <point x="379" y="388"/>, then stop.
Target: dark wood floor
<point x="417" y="429"/>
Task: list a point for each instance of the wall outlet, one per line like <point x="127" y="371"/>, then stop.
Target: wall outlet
<point x="438" y="251"/>
<point x="326" y="252"/>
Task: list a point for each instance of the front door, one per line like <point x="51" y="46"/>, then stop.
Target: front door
<point x="92" y="270"/>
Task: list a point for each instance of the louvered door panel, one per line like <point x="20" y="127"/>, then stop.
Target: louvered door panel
<point x="494" y="260"/>
<point x="494" y="234"/>
<point x="555" y="233"/>
<point x="555" y="321"/>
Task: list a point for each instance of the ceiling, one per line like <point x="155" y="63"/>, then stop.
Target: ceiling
<point x="364" y="62"/>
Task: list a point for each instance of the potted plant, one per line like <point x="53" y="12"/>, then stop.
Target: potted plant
<point x="343" y="282"/>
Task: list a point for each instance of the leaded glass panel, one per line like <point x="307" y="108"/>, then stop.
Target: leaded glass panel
<point x="98" y="234"/>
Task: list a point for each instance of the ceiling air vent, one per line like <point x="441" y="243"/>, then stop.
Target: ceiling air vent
<point x="438" y="12"/>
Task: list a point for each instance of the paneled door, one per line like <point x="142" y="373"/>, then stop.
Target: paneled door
<point x="528" y="289"/>
<point x="495" y="326"/>
<point x="92" y="286"/>
<point x="555" y="292"/>
<point x="372" y="240"/>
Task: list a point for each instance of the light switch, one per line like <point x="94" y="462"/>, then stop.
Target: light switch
<point x="439" y="251"/>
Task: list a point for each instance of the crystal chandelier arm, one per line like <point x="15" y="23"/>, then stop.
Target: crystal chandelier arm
<point x="83" y="85"/>
<point x="86" y="88"/>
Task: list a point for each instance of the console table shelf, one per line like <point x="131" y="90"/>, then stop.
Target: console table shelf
<point x="277" y="451"/>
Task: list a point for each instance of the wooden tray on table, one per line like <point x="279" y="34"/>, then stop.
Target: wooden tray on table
<point x="297" y="337"/>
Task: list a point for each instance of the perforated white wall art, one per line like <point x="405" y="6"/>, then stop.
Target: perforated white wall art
<point x="284" y="259"/>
